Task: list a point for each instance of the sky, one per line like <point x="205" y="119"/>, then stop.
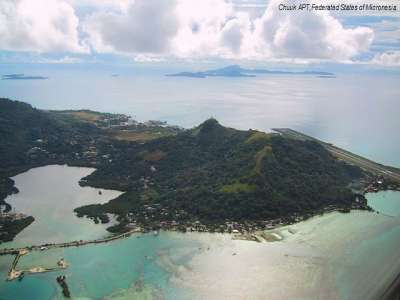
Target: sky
<point x="201" y="31"/>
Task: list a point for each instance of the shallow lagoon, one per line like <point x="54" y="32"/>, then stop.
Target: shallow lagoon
<point x="336" y="256"/>
<point x="50" y="194"/>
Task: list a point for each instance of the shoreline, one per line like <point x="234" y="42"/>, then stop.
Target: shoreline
<point x="257" y="235"/>
<point x="243" y="229"/>
<point x="289" y="237"/>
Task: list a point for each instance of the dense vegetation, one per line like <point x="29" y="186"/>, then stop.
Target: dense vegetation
<point x="30" y="138"/>
<point x="210" y="173"/>
<point x="10" y="228"/>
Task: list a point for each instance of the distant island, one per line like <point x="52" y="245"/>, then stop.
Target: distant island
<point x="237" y="71"/>
<point x="209" y="178"/>
<point x="22" y="77"/>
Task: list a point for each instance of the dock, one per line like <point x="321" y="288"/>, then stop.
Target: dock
<point x="61" y="264"/>
<point x="13" y="273"/>
<point x="44" y="247"/>
<point x="351" y="158"/>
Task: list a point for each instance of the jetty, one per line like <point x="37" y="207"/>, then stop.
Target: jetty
<point x="366" y="164"/>
<point x="13" y="273"/>
<point x="62" y="281"/>
<point x="44" y="247"/>
<point x="61" y="264"/>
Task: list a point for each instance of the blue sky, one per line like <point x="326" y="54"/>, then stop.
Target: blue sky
<point x="195" y="32"/>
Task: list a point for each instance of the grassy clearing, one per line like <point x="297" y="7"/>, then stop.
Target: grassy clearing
<point x="155" y="155"/>
<point x="259" y="135"/>
<point x="259" y="156"/>
<point x="136" y="136"/>
<point x="83" y="115"/>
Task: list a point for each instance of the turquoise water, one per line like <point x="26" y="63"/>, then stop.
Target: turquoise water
<point x="357" y="256"/>
<point x="337" y="256"/>
<point x="387" y="202"/>
<point x="371" y="261"/>
<point x="98" y="272"/>
<point x="106" y="271"/>
<point x="374" y="253"/>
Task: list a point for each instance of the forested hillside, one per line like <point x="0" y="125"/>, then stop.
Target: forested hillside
<point x="209" y="174"/>
<point x="213" y="174"/>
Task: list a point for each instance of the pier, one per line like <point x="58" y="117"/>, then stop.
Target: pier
<point x="43" y="247"/>
<point x="14" y="273"/>
<point x="351" y="158"/>
<point x="18" y="252"/>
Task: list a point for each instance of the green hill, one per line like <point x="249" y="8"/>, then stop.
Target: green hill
<point x="209" y="174"/>
<point x="28" y="135"/>
<point x="31" y="138"/>
<point x="212" y="174"/>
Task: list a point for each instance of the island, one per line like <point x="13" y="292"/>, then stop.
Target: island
<point x="208" y="178"/>
<point x="22" y="77"/>
<point x="237" y="71"/>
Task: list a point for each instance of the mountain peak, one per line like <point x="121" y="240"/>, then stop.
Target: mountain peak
<point x="210" y="131"/>
<point x="210" y="123"/>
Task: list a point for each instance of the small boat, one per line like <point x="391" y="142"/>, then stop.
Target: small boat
<point x="155" y="233"/>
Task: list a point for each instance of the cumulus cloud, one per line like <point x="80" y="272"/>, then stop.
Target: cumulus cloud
<point x="145" y="26"/>
<point x="190" y="28"/>
<point x="313" y="35"/>
<point x="179" y="28"/>
<point x="200" y="26"/>
<point x="40" y="25"/>
<point x="232" y="35"/>
<point x="388" y="58"/>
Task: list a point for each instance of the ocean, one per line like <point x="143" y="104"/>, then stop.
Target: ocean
<point x="335" y="256"/>
<point x="358" y="112"/>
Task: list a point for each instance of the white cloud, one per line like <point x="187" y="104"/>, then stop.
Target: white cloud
<point x="388" y="58"/>
<point x="40" y="25"/>
<point x="190" y="29"/>
<point x="145" y="26"/>
<point x="311" y="35"/>
<point x="232" y="35"/>
<point x="200" y="27"/>
<point x="100" y="3"/>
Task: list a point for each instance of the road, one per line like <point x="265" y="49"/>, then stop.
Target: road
<point x="362" y="162"/>
<point x="16" y="251"/>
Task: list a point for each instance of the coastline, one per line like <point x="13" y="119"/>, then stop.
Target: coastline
<point x="305" y="253"/>
<point x="324" y="258"/>
<point x="247" y="230"/>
